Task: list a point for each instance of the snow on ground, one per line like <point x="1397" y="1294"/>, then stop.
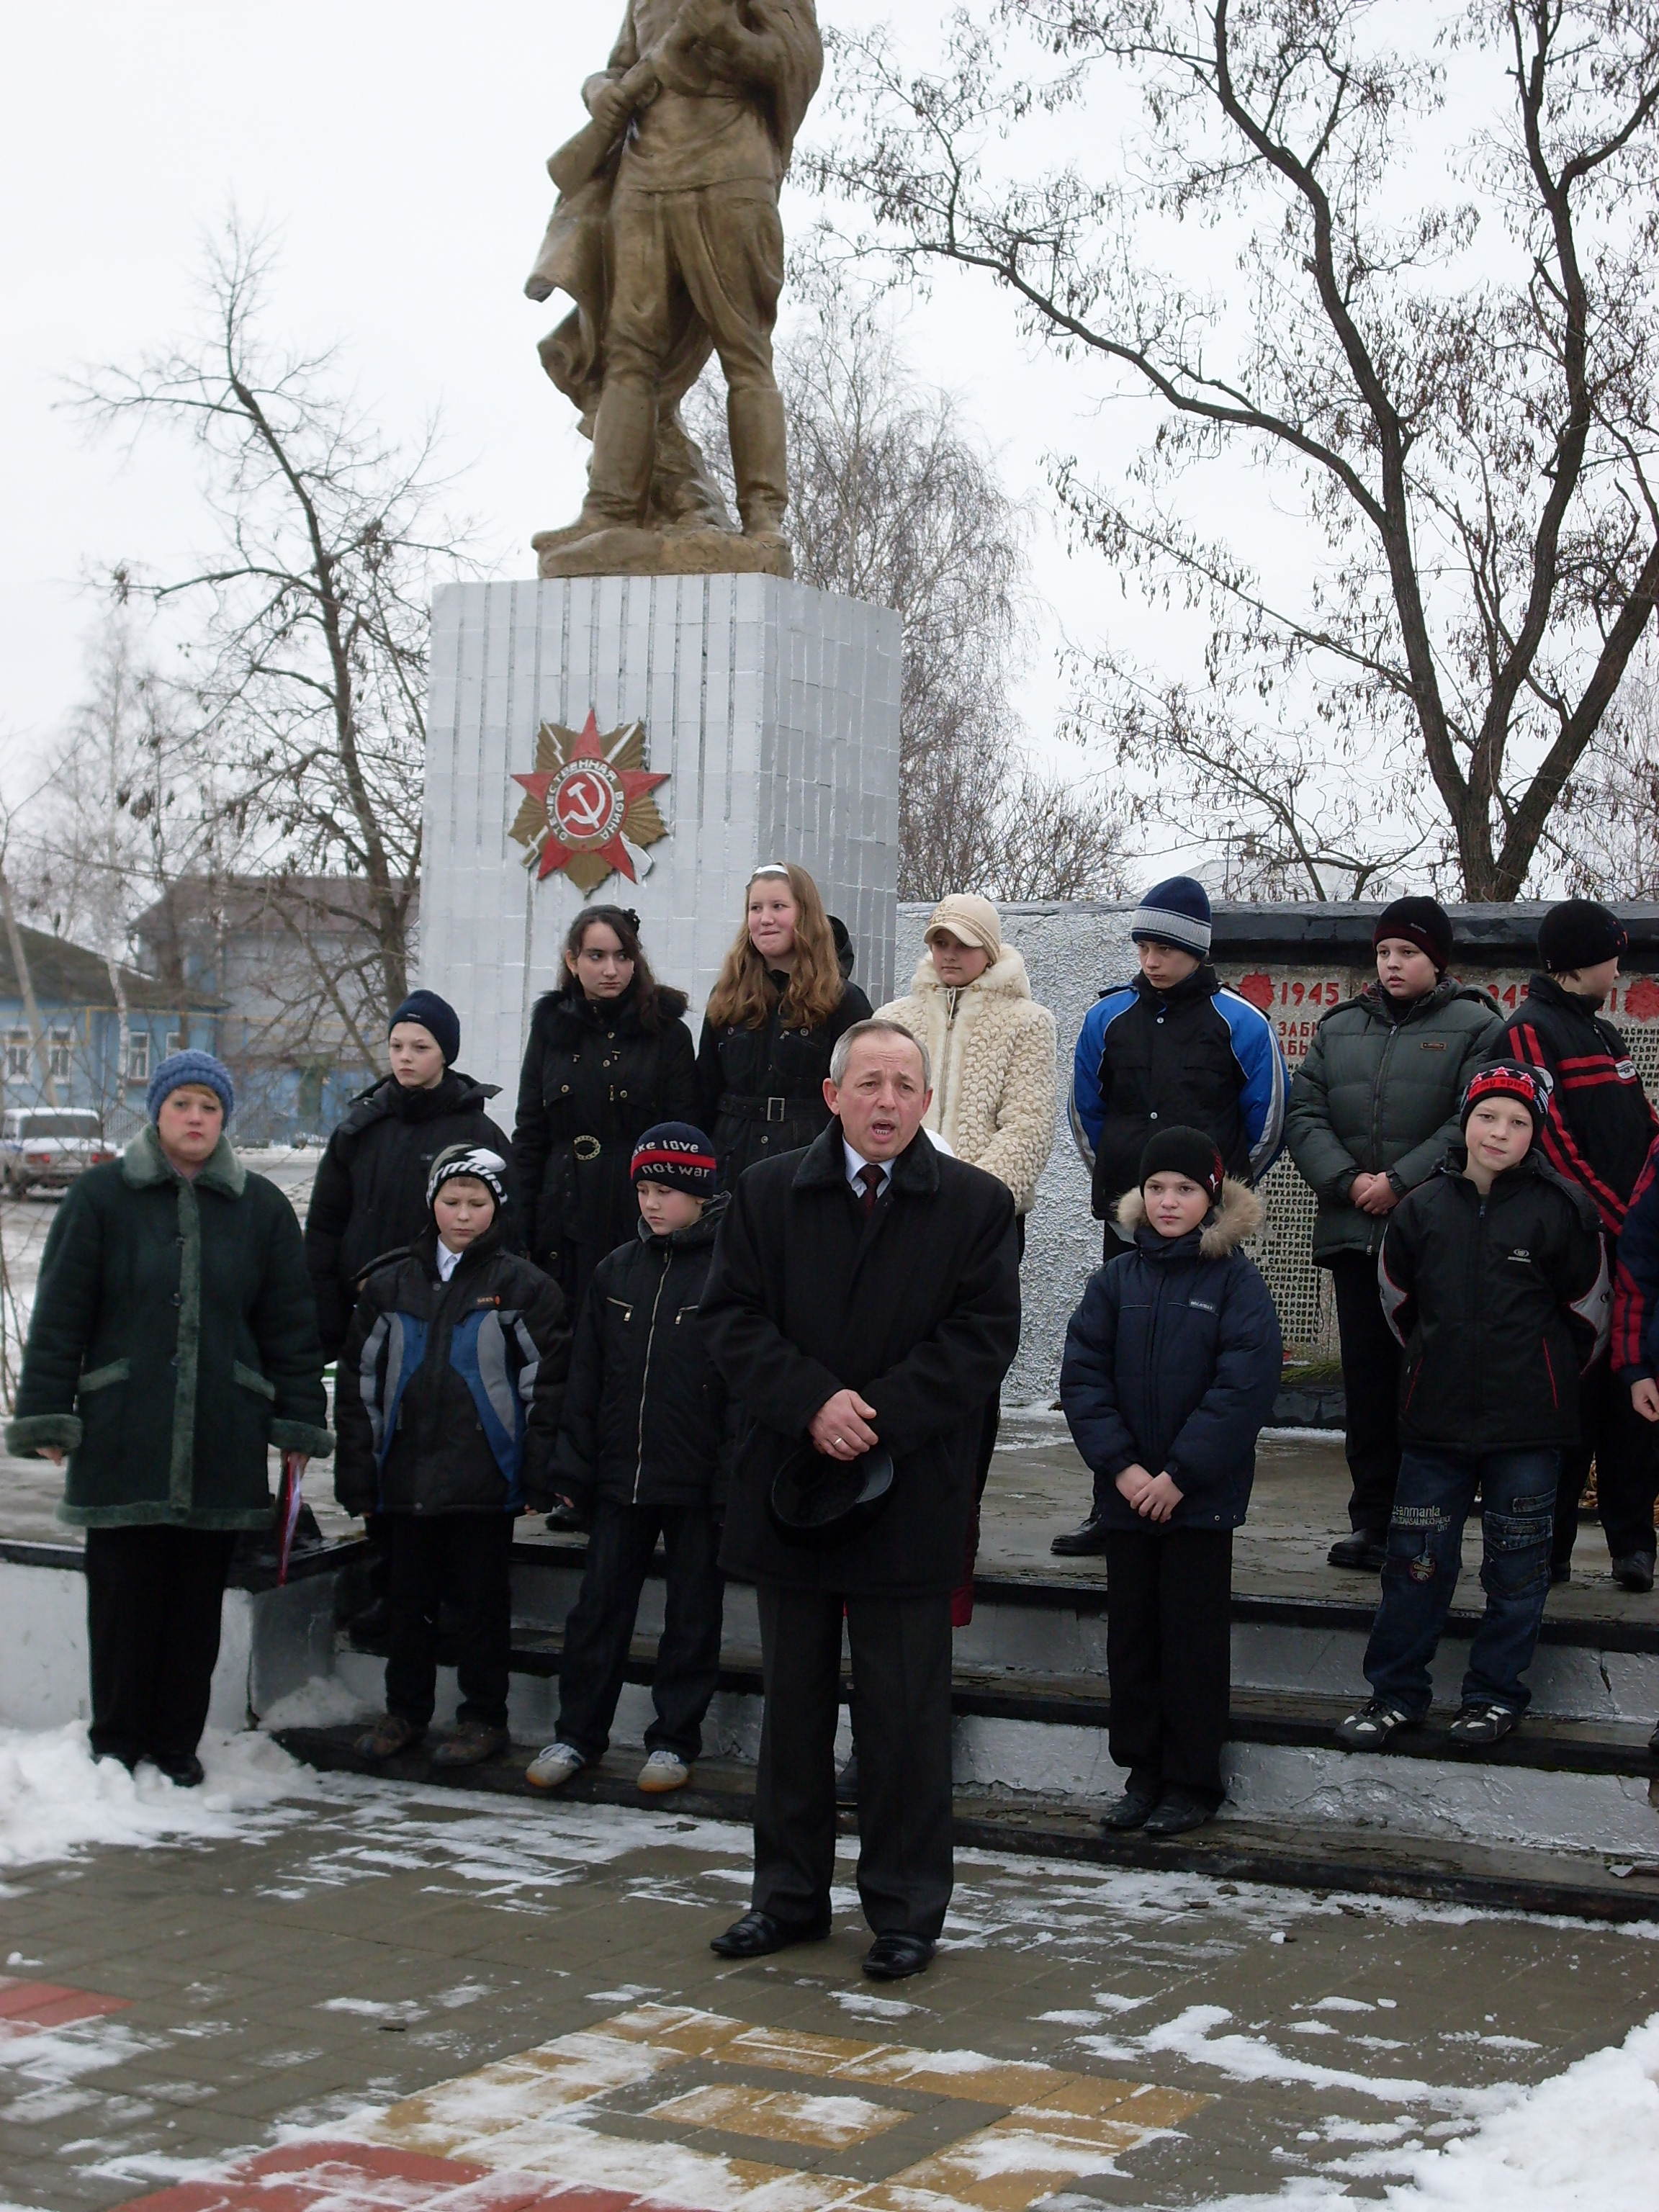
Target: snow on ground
<point x="56" y="1800"/>
<point x="1585" y="2141"/>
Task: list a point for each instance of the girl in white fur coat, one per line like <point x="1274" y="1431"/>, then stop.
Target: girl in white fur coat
<point x="991" y="1045"/>
<point x="992" y="1048"/>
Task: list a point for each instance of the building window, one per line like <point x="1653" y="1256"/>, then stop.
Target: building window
<point x="177" y="1041"/>
<point x="137" y="1055"/>
<point x="62" y="1042"/>
<point x="17" y="1056"/>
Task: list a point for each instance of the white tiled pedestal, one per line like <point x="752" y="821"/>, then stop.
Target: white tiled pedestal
<point x="772" y="706"/>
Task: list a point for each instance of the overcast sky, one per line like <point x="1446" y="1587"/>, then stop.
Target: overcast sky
<point x="400" y="150"/>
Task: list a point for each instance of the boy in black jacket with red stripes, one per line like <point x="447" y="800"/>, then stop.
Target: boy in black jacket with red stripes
<point x="1598" y="1129"/>
<point x="1494" y="1278"/>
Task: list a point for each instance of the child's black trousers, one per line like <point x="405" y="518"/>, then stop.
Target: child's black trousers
<point x="1168" y="1605"/>
<point x="600" y="1626"/>
<point x="466" y="1557"/>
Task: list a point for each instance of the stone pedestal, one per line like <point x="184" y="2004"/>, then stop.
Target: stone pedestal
<point x="771" y="707"/>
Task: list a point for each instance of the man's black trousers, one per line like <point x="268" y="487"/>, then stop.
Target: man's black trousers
<point x="900" y="1650"/>
<point x="154" y="1596"/>
<point x="1370" y="1384"/>
<point x="600" y="1626"/>
<point x="1169" y="1607"/>
<point x="466" y="1557"/>
<point x="1625" y="1451"/>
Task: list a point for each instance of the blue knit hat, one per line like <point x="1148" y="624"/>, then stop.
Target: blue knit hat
<point x="1176" y="912"/>
<point x="190" y="1067"/>
<point x="435" y="1015"/>
<point x="677" y="1154"/>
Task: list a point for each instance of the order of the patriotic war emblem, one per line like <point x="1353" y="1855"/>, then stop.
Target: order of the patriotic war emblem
<point x="589" y="799"/>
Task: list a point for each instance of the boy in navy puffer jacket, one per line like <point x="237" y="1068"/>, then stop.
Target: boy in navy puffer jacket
<point x="1172" y="1362"/>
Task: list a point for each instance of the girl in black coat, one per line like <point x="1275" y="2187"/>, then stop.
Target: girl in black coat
<point x="1172" y="1363"/>
<point x="643" y="1448"/>
<point x="608" y="1055"/>
<point x="772" y="1019"/>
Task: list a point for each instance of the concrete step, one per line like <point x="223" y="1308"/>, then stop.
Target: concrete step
<point x="1262" y="1716"/>
<point x="1595" y="1886"/>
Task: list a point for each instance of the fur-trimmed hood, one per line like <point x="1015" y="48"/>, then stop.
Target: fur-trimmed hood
<point x="1239" y="1215"/>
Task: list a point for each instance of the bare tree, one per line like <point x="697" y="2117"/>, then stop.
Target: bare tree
<point x="893" y="500"/>
<point x="311" y="669"/>
<point x="1607" y="829"/>
<point x="1440" y="343"/>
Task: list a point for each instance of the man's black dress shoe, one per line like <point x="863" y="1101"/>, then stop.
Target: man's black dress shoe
<point x="1364" y="1551"/>
<point x="1080" y="1543"/>
<point x="185" y="1773"/>
<point x="1634" y="1573"/>
<point x="846" y="1781"/>
<point x="1133" y="1809"/>
<point x="1176" y="1812"/>
<point x="757" y="1934"/>
<point x="893" y="1958"/>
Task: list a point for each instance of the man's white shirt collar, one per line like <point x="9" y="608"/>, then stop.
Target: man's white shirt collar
<point x="447" y="1262"/>
<point x="856" y="1161"/>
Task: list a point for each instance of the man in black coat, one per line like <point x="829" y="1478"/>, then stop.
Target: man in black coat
<point x="864" y="1295"/>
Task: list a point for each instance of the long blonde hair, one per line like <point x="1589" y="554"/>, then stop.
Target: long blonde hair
<point x="744" y="995"/>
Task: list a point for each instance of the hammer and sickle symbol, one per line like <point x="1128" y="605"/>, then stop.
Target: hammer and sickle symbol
<point x="585" y="804"/>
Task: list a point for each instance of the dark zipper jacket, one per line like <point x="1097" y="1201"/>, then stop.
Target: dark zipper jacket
<point x="370" y="1196"/>
<point x="1501" y="1303"/>
<point x="1172" y="1362"/>
<point x="595" y="1078"/>
<point x="1600" y="1126"/>
<point x="450" y="1392"/>
<point x="1377" y="1094"/>
<point x="760" y="1092"/>
<point x="647" y="1420"/>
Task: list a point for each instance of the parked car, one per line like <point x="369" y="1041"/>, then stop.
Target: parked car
<point x="44" y="1147"/>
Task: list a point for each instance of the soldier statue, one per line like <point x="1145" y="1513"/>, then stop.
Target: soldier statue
<point x="666" y="236"/>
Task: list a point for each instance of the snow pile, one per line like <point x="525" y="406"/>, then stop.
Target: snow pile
<point x="1586" y="2141"/>
<point x="56" y="1799"/>
<point x="324" y="1701"/>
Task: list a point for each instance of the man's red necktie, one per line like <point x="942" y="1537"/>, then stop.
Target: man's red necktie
<point x="870" y="1177"/>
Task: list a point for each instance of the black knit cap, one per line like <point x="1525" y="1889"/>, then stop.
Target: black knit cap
<point x="1580" y="932"/>
<point x="677" y="1155"/>
<point x="1422" y="922"/>
<point x="1187" y="1152"/>
<point x="477" y="1161"/>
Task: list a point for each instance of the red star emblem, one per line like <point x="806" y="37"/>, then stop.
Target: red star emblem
<point x="585" y="792"/>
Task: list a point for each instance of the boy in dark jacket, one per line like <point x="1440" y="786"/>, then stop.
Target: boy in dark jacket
<point x="1598" y="1129"/>
<point x="1494" y="1279"/>
<point x="1373" y="1108"/>
<point x="451" y="1384"/>
<point x="643" y="1448"/>
<point x="1172" y="1362"/>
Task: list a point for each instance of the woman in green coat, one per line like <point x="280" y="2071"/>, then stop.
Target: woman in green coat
<point x="1372" y="1109"/>
<point x="174" y="1343"/>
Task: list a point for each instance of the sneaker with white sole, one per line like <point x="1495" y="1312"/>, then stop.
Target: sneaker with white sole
<point x="663" y="1771"/>
<point x="552" y="1768"/>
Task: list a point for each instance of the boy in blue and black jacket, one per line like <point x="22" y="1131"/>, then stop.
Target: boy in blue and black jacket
<point x="450" y="1388"/>
<point x="1172" y="1363"/>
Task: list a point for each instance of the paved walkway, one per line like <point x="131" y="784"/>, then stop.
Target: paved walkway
<point x="376" y="1996"/>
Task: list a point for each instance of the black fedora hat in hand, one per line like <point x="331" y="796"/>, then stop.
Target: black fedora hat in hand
<point x="817" y="1501"/>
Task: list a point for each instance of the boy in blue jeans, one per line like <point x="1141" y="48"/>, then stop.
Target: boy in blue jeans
<point x="1493" y="1277"/>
